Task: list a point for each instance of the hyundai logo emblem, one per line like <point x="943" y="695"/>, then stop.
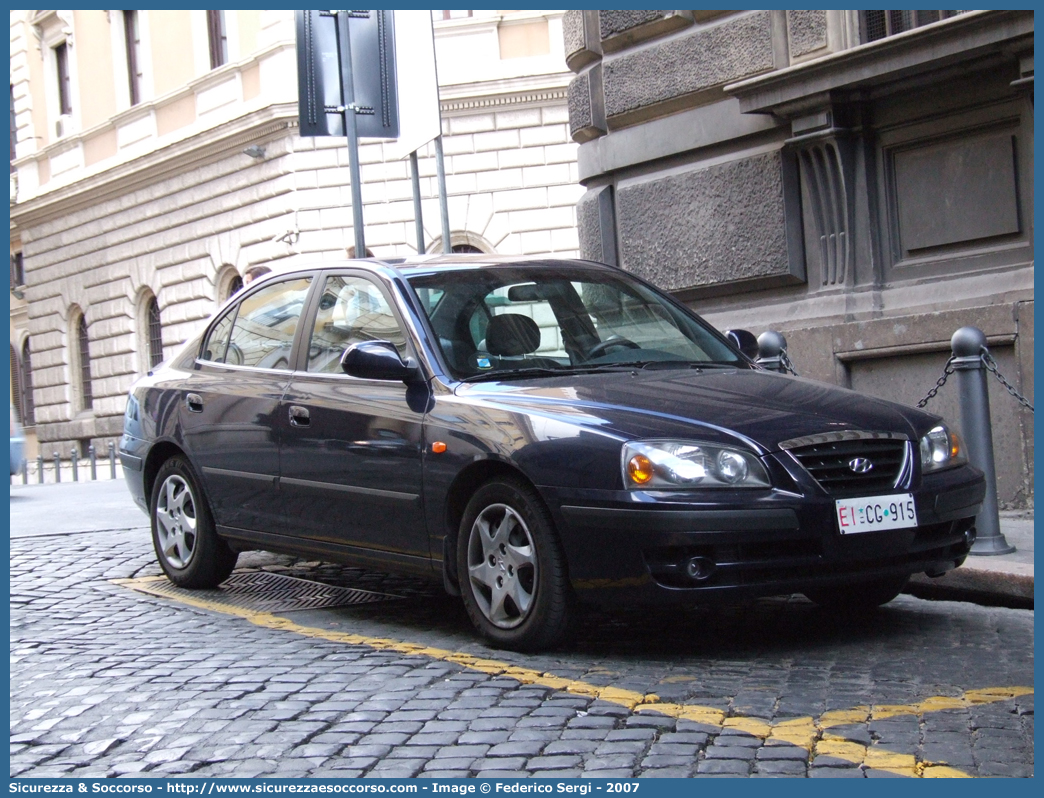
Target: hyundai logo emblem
<point x="860" y="465"/>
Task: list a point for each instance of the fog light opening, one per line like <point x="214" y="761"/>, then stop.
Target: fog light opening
<point x="700" y="569"/>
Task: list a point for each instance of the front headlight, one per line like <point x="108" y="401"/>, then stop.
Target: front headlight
<point x="941" y="449"/>
<point x="660" y="465"/>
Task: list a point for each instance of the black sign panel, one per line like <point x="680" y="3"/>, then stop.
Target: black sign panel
<point x="321" y="73"/>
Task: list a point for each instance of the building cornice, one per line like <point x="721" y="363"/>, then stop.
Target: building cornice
<point x="940" y="44"/>
<point x="471" y="97"/>
<point x="176" y="158"/>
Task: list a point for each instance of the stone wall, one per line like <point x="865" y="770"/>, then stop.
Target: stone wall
<point x="866" y="201"/>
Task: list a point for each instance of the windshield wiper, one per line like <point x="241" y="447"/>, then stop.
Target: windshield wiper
<point x="535" y="371"/>
<point x="596" y="368"/>
<point x="672" y="364"/>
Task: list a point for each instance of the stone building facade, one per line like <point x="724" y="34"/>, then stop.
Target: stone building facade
<point x="157" y="159"/>
<point x="860" y="181"/>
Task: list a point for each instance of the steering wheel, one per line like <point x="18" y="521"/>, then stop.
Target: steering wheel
<point x="611" y="342"/>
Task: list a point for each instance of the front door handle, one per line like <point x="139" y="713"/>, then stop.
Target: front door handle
<point x="194" y="402"/>
<point x="299" y="416"/>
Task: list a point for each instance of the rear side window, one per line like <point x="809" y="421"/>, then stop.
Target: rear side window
<point x="263" y="331"/>
<point x="217" y="342"/>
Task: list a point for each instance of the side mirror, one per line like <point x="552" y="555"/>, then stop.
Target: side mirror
<point x="744" y="341"/>
<point x="378" y="360"/>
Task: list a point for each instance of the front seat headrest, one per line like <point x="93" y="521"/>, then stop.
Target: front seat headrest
<point x="512" y="334"/>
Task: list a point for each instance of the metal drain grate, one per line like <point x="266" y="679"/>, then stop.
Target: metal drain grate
<point x="265" y="592"/>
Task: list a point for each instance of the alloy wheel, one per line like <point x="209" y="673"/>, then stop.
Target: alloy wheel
<point x="176" y="522"/>
<point x="502" y="566"/>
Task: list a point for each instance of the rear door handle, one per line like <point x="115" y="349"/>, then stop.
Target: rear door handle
<point x="194" y="402"/>
<point x="299" y="416"/>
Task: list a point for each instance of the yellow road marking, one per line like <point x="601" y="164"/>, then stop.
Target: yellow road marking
<point x="809" y="733"/>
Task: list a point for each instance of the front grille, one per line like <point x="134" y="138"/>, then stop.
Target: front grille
<point x="831" y="462"/>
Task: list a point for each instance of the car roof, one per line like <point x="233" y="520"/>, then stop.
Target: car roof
<point x="428" y="263"/>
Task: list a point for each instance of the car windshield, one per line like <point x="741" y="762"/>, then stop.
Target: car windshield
<point x="535" y="320"/>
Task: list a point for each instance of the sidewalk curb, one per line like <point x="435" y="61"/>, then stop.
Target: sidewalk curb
<point x="999" y="585"/>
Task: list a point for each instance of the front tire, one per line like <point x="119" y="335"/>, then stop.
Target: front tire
<point x="511" y="568"/>
<point x="861" y="597"/>
<point x="187" y="546"/>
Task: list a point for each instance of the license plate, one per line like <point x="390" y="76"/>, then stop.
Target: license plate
<point x="876" y="512"/>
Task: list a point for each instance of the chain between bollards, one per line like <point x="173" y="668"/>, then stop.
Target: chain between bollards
<point x="991" y="365"/>
<point x="947" y="371"/>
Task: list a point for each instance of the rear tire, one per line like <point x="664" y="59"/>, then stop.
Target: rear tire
<point x="183" y="534"/>
<point x="511" y="568"/>
<point x="860" y="597"/>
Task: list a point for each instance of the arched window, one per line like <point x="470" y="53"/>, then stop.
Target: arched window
<point x="84" y="364"/>
<point x="462" y="242"/>
<point x="155" y="342"/>
<point x="26" y="384"/>
<point x="227" y="281"/>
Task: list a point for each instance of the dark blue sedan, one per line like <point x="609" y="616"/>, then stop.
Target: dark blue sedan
<point x="534" y="434"/>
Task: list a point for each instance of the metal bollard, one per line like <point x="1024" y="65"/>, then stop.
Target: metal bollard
<point x="39" y="468"/>
<point x="25" y="472"/>
<point x="93" y="455"/>
<point x="112" y="459"/>
<point x="75" y="460"/>
<point x="771" y="346"/>
<point x="967" y="345"/>
<point x="57" y="467"/>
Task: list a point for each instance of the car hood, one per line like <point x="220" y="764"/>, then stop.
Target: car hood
<point x="762" y="408"/>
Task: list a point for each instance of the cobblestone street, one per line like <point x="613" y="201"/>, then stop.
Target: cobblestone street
<point x="108" y="681"/>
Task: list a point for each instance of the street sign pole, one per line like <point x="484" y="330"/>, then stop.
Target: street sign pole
<point x="352" y="129"/>
<point x="418" y="219"/>
<point x="440" y="168"/>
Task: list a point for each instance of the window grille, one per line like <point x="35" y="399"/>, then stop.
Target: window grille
<point x="85" y="365"/>
<point x="26" y="385"/>
<point x="882" y="24"/>
<point x="155" y="334"/>
<point x="16" y="385"/>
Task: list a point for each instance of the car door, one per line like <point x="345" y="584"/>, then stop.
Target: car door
<point x="230" y="405"/>
<point x="350" y="470"/>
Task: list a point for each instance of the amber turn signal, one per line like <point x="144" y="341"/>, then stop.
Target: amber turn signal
<point x="640" y="469"/>
<point x="438" y="447"/>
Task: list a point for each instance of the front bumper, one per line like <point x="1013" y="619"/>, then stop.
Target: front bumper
<point x="654" y="548"/>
